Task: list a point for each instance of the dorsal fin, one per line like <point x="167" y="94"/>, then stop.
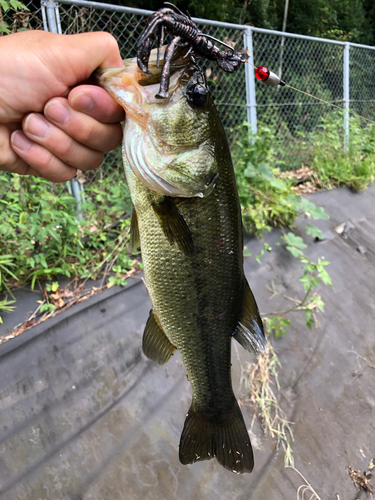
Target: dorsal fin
<point x="249" y="332"/>
<point x="156" y="345"/>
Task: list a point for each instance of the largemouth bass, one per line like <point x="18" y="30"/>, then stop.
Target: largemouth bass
<point x="187" y="219"/>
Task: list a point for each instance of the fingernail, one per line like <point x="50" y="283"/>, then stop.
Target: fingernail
<point x="57" y="112"/>
<point x="37" y="126"/>
<point x="82" y="102"/>
<point x="20" y="141"/>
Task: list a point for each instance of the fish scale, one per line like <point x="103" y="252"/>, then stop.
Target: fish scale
<point x="188" y="312"/>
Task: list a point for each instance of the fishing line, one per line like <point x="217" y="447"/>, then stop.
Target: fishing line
<point x="266" y="74"/>
<point x="330" y="103"/>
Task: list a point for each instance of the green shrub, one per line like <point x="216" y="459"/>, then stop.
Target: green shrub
<point x="42" y="237"/>
<point x="334" y="165"/>
<point x="266" y="201"/>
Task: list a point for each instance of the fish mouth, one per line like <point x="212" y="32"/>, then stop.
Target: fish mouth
<point x="154" y="160"/>
<point x="133" y="89"/>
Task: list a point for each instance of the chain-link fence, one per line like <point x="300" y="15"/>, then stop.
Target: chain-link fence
<point x="315" y="66"/>
<point x="127" y="25"/>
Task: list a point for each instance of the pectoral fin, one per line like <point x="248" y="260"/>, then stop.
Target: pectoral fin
<point x="174" y="225"/>
<point x="155" y="344"/>
<point x="134" y="233"/>
<point x="249" y="332"/>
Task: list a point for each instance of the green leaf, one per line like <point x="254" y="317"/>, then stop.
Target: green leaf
<point x="318" y="302"/>
<point x="309" y="320"/>
<point x="47" y="308"/>
<point x="23" y="217"/>
<point x="4" y="28"/>
<point x="325" y="277"/>
<point x="292" y="239"/>
<point x="305" y="278"/>
<point x="250" y="171"/>
<point x="312" y="210"/>
<point x="16" y="5"/>
<point x="296" y="252"/>
<point x="5" y="5"/>
<point x="314" y="231"/>
<point x="277" y="325"/>
<point x="277" y="184"/>
<point x="53" y="233"/>
<point x="265" y="171"/>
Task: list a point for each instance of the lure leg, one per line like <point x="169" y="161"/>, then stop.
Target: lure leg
<point x="164" y="80"/>
<point x="143" y="56"/>
<point x="145" y="41"/>
<point x="160" y="44"/>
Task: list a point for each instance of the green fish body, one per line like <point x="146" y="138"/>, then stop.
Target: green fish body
<point x="187" y="219"/>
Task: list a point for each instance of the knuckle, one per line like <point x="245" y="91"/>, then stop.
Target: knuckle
<point x="110" y="40"/>
<point x="109" y="138"/>
<point x="99" y="157"/>
<point x="65" y="148"/>
<point x="89" y="133"/>
<point x="66" y="175"/>
<point x="114" y="138"/>
<point x="44" y="158"/>
<point x="94" y="162"/>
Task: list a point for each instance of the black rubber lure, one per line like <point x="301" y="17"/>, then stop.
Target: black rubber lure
<point x="185" y="34"/>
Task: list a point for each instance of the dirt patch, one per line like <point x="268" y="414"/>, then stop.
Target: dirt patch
<point x="304" y="179"/>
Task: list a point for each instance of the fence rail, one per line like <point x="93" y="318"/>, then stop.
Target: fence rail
<point x="341" y="73"/>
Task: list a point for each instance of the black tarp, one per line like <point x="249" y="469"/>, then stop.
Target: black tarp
<point x="84" y="415"/>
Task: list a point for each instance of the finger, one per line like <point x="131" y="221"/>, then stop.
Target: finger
<point x="81" y="127"/>
<point x="58" y="144"/>
<point x="41" y="161"/>
<point x="97" y="103"/>
<point x="85" y="52"/>
<point x="9" y="160"/>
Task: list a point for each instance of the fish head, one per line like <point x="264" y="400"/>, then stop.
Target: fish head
<point x="171" y="143"/>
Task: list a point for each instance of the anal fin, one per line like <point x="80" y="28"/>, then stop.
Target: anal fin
<point x="174" y="225"/>
<point x="155" y="344"/>
<point x="249" y="332"/>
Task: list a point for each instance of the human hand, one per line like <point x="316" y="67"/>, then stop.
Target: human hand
<point x="38" y="71"/>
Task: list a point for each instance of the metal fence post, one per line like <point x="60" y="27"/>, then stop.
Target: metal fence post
<point x="346" y="96"/>
<point x="250" y="81"/>
<point x="51" y="20"/>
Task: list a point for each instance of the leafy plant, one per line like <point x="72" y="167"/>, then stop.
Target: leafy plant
<point x="314" y="274"/>
<point x="41" y="237"/>
<point x="334" y="165"/>
<point x="5" y="6"/>
<point x="5" y="306"/>
<point x="322" y="149"/>
<point x="269" y="201"/>
<point x="266" y="201"/>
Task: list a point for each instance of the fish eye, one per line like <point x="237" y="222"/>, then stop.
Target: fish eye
<point x="196" y="94"/>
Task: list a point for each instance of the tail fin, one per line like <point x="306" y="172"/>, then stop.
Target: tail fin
<point x="227" y="440"/>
